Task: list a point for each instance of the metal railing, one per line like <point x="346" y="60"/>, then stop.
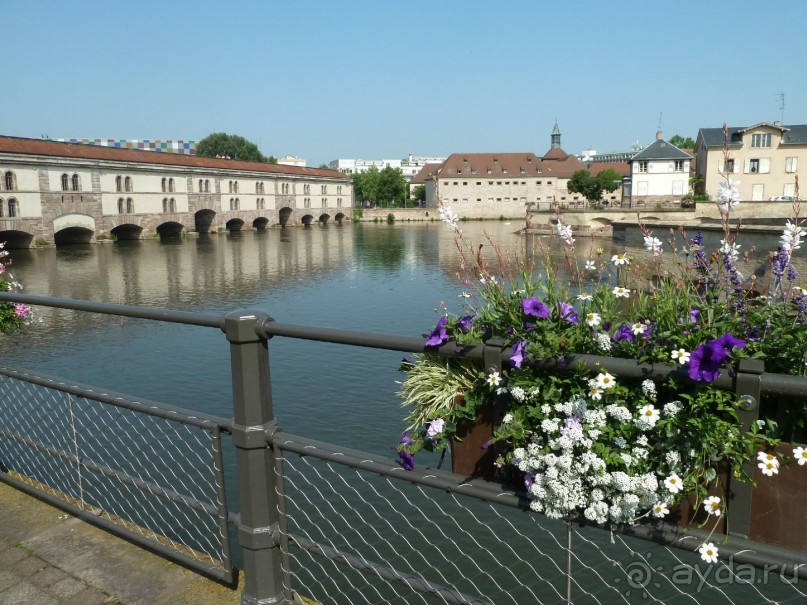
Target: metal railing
<point x="342" y="525"/>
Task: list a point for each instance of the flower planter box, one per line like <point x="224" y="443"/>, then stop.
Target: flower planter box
<point x="469" y="457"/>
<point x="778" y="515"/>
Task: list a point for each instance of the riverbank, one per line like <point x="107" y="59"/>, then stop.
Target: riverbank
<point x="49" y="557"/>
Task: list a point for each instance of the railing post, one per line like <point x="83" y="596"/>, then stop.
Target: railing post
<point x="259" y="528"/>
<point x="748" y="389"/>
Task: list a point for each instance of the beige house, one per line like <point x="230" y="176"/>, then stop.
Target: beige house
<point x="492" y="185"/>
<point x="660" y="172"/>
<point x="762" y="160"/>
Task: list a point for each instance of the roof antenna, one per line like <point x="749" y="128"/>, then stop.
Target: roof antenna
<point x="781" y="96"/>
<point x="659" y="121"/>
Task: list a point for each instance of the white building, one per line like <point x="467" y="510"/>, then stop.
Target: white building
<point x="660" y="171"/>
<point x="290" y="160"/>
<point x="409" y="166"/>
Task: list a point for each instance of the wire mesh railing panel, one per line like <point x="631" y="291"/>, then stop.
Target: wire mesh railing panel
<point x="357" y="537"/>
<point x="156" y="477"/>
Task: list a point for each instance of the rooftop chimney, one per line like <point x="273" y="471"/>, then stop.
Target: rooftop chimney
<point x="658" y="134"/>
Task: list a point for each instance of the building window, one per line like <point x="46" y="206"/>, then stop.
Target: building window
<point x="172" y="205"/>
<point x="207" y="185"/>
<point x="1" y="207"/>
<point x="679" y="166"/>
<point x="121" y="205"/>
<point x="201" y="186"/>
<point x="761" y="140"/>
<point x="10" y="181"/>
<point x="65" y="180"/>
<point x="163" y="184"/>
<point x="642" y="166"/>
<point x="726" y="166"/>
<point x="230" y="188"/>
<point x="791" y="164"/>
<point x="76" y="183"/>
<point x="339" y="202"/>
<point x="119" y="183"/>
<point x="13" y="208"/>
<point x="129" y="206"/>
<point x="753" y="165"/>
<point x="127" y="184"/>
<point x="170" y="185"/>
<point x="324" y="189"/>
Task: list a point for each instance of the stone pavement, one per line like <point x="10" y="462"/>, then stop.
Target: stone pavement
<point x="50" y="558"/>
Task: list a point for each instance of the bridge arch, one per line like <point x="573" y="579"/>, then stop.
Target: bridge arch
<point x="16" y="239"/>
<point x="127" y="231"/>
<point x="285" y="215"/>
<point x="307" y="220"/>
<point x="170" y="229"/>
<point x="340" y="216"/>
<point x="235" y="224"/>
<point x="260" y="223"/>
<point x="324" y="217"/>
<point x="73" y="228"/>
<point x="601" y="221"/>
<point x="203" y="219"/>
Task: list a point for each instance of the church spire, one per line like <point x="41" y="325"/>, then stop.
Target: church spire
<point x="556" y="136"/>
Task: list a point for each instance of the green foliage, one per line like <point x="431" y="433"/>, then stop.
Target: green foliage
<point x="591" y="187"/>
<point x="390" y="218"/>
<point x="358" y="213"/>
<point x="681" y="142"/>
<point x="385" y="188"/>
<point x="419" y="193"/>
<point x="271" y="160"/>
<point x="231" y="146"/>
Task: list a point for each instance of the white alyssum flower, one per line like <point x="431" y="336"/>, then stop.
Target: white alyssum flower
<point x="681" y="355"/>
<point x="653" y="244"/>
<point x="593" y="319"/>
<point x="712" y="506"/>
<point x="620" y="259"/>
<point x="621" y="292"/>
<point x="508" y="418"/>
<point x="672" y="408"/>
<point x="619" y="412"/>
<point x="518" y="394"/>
<point x="649" y="389"/>
<point x="603" y="342"/>
<point x="673" y="458"/>
<point x="620" y="442"/>
<point x="801" y="455"/>
<point x="708" y="552"/>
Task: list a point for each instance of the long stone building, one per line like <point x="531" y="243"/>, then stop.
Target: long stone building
<point x="53" y="192"/>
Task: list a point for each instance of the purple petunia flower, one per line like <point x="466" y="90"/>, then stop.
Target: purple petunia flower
<point x="568" y="313"/>
<point x="406" y="439"/>
<point x="465" y="323"/>
<point x="529" y="479"/>
<point x="533" y="306"/>
<point x="439" y="335"/>
<point x="517" y="358"/>
<point x="624" y="333"/>
<point x="694" y="314"/>
<point x="435" y="428"/>
<point x="707" y="359"/>
<point x="407" y="460"/>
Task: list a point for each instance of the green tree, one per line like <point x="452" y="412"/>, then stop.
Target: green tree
<point x="391" y="186"/>
<point x="419" y="193"/>
<point x="271" y="160"/>
<point x="681" y="142"/>
<point x="365" y="185"/>
<point x="324" y="167"/>
<point x="229" y="145"/>
<point x="591" y="187"/>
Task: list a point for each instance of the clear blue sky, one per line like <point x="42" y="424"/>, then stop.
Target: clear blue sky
<point x="386" y="78"/>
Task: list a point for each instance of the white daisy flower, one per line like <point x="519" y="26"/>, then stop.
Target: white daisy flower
<point x="681" y="355"/>
<point x="708" y="552"/>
